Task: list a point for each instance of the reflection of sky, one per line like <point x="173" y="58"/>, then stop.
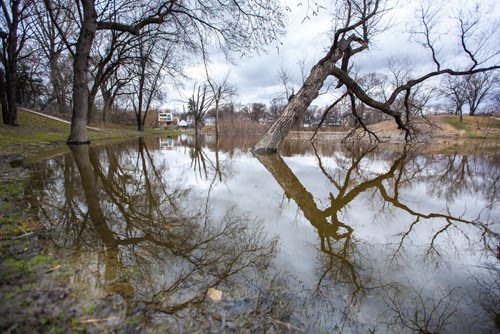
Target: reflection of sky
<point x="248" y="188"/>
<point x="252" y="190"/>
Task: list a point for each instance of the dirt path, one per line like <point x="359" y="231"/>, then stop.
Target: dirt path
<point x="60" y="119"/>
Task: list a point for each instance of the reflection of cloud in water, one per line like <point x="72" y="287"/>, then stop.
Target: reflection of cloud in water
<point x="360" y="230"/>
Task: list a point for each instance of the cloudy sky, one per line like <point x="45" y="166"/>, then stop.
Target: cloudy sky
<point x="256" y="76"/>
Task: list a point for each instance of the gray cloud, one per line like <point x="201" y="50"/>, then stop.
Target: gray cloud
<point x="256" y="76"/>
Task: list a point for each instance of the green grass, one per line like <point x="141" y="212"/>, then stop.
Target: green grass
<point x="475" y="126"/>
<point x="36" y="134"/>
<point x="14" y="219"/>
<point x="26" y="266"/>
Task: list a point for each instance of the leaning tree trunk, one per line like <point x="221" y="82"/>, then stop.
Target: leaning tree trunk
<point x="296" y="106"/>
<point x="78" y="133"/>
<point x="299" y="103"/>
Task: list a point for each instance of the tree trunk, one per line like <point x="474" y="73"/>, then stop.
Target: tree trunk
<point x="55" y="78"/>
<point x="3" y="97"/>
<point x="108" y="103"/>
<point x="140" y="124"/>
<point x="10" y="114"/>
<point x="78" y="133"/>
<point x="472" y="108"/>
<point x="217" y="118"/>
<point x="296" y="106"/>
<point x="90" y="102"/>
<point x="197" y="128"/>
<point x="12" y="97"/>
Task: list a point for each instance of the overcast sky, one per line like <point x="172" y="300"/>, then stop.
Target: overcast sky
<point x="256" y="76"/>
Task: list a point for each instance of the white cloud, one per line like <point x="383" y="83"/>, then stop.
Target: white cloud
<point x="256" y="76"/>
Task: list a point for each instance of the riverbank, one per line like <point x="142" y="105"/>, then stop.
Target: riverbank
<point x="41" y="136"/>
<point x="432" y="129"/>
<point x="35" y="287"/>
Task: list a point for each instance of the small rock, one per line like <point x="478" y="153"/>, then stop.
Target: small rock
<point x="214" y="294"/>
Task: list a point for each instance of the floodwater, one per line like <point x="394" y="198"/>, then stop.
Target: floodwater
<point x="325" y="238"/>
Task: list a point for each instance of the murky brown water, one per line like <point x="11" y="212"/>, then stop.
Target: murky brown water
<point x="320" y="239"/>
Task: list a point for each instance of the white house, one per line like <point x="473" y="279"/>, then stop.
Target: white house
<point x="166" y="120"/>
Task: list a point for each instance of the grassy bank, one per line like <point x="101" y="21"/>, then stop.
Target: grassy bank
<point x="475" y="127"/>
<point x="34" y="289"/>
<point x="37" y="134"/>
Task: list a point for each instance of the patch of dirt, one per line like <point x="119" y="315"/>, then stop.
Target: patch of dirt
<point x="36" y="292"/>
<point x="427" y="129"/>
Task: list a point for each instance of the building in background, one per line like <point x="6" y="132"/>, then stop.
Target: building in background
<point x="166" y="120"/>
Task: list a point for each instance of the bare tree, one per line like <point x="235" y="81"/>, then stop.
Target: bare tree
<point x="110" y="90"/>
<point x="198" y="105"/>
<point x="454" y="91"/>
<point x="14" y="26"/>
<point x="357" y="22"/>
<point x="284" y="79"/>
<point x="287" y="82"/>
<point x="234" y="26"/>
<point x="479" y="88"/>
<point x="222" y="91"/>
<point x="53" y="52"/>
<point x="276" y="107"/>
<point x="114" y="49"/>
<point x="472" y="91"/>
<point x="257" y="111"/>
<point x="153" y="61"/>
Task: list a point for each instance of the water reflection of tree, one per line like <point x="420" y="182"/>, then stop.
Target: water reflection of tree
<point x="157" y="248"/>
<point x="201" y="162"/>
<point x="156" y="244"/>
<point x="343" y="261"/>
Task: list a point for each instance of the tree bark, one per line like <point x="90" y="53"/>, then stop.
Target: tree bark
<point x="90" y="103"/>
<point x="108" y="103"/>
<point x="296" y="106"/>
<point x="217" y="118"/>
<point x="3" y="97"/>
<point x="57" y="86"/>
<point x="10" y="64"/>
<point x="78" y="133"/>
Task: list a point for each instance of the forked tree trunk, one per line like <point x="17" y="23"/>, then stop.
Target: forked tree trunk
<point x="78" y="133"/>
